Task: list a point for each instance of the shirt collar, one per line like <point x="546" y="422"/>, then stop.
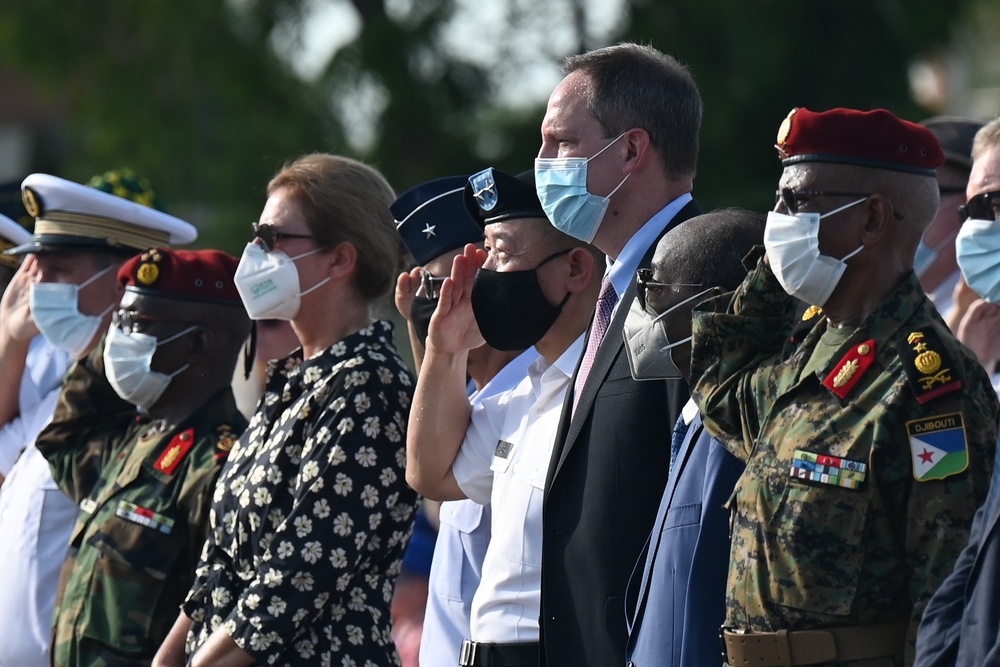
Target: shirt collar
<point x="621" y="271"/>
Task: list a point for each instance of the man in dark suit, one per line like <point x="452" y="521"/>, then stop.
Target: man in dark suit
<point x="961" y="624"/>
<point x="616" y="167"/>
<point x="677" y="596"/>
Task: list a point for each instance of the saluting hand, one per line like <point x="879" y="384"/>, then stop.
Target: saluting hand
<point x="406" y="288"/>
<point x="453" y="327"/>
<point x="15" y="313"/>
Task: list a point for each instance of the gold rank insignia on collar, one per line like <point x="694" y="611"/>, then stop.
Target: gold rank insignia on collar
<point x="225" y="442"/>
<point x="175" y="452"/>
<point x="809" y="319"/>
<point x="850" y="369"/>
<point x="928" y="368"/>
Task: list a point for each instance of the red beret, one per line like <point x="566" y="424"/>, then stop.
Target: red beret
<point x="865" y="138"/>
<point x="191" y="275"/>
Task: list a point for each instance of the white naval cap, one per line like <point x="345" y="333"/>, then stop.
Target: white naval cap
<point x="11" y="234"/>
<point x="71" y="216"/>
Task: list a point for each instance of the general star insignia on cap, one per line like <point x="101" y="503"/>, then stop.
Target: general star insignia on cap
<point x="928" y="369"/>
<point x="850" y="369"/>
<point x="938" y="446"/>
<point x="484" y="189"/>
<point x="432" y="219"/>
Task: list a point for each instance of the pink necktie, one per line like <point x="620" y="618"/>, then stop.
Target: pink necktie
<point x="602" y="318"/>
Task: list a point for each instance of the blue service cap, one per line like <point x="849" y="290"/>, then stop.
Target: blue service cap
<point x="431" y="219"/>
<point x="494" y="196"/>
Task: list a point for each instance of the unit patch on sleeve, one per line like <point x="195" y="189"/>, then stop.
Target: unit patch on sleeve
<point x="831" y="470"/>
<point x="938" y="446"/>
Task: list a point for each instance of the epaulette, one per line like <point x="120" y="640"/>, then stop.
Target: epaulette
<point x="850" y="368"/>
<point x="227" y="438"/>
<point x="928" y="367"/>
<point x="809" y="319"/>
<point x="175" y="452"/>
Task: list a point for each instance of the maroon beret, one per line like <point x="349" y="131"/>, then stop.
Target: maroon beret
<point x="191" y="275"/>
<point x="874" y="138"/>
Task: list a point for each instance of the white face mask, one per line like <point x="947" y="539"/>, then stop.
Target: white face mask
<point x="268" y="283"/>
<point x="55" y="309"/>
<point x="977" y="246"/>
<point x="792" y="243"/>
<point x="128" y="358"/>
<point x="561" y="185"/>
<point x="647" y="344"/>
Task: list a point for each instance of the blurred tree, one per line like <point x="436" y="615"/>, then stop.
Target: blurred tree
<point x="197" y="94"/>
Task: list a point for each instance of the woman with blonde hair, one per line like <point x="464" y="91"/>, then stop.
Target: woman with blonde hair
<point x="312" y="513"/>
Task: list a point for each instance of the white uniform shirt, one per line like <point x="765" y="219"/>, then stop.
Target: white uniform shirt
<point x="38" y="394"/>
<point x="36" y="519"/>
<point x="459" y="551"/>
<point x="504" y="460"/>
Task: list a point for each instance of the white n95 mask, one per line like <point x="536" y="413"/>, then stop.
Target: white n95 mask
<point x="268" y="283"/>
<point x="128" y="358"/>
<point x="55" y="310"/>
<point x="792" y="243"/>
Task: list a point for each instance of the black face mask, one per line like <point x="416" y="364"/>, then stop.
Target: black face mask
<point x="421" y="310"/>
<point x="511" y="309"/>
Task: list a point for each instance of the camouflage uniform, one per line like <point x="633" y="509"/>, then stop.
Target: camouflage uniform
<point x="866" y="542"/>
<point x="144" y="493"/>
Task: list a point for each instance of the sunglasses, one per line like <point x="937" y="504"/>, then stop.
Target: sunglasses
<point x="980" y="207"/>
<point x="644" y="280"/>
<point x="792" y="199"/>
<point x="131" y="322"/>
<point x="268" y="236"/>
<point x="429" y="284"/>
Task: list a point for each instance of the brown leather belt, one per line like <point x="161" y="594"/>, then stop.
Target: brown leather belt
<point x="811" y="647"/>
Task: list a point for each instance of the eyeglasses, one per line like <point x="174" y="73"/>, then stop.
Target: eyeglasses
<point x="268" y="235"/>
<point x="792" y="199"/>
<point x="131" y="322"/>
<point x="644" y="280"/>
<point x="981" y="207"/>
<point x="428" y="282"/>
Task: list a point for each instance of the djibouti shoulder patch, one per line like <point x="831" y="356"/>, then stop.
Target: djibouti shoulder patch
<point x="938" y="446"/>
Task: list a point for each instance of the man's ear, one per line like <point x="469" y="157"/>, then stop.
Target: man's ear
<point x="638" y="149"/>
<point x="581" y="269"/>
<point x="879" y="215"/>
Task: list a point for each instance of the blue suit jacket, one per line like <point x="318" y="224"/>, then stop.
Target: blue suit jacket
<point x="680" y="600"/>
<point x="961" y="624"/>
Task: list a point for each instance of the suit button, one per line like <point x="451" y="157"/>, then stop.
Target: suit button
<point x="631" y="664"/>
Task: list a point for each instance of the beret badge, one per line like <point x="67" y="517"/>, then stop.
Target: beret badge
<point x="31" y="202"/>
<point x="784" y="130"/>
<point x="148" y="271"/>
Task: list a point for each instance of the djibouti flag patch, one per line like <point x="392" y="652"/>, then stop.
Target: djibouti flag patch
<point x="938" y="446"/>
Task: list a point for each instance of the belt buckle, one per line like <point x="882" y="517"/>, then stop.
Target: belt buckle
<point x="722" y="640"/>
<point x="467" y="657"/>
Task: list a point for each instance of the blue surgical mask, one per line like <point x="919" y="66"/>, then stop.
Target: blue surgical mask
<point x="54" y="307"/>
<point x="977" y="248"/>
<point x="925" y="256"/>
<point x="561" y="184"/>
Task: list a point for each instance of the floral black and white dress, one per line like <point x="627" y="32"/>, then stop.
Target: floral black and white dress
<point x="312" y="513"/>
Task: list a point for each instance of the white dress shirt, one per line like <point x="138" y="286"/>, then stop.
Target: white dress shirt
<point x="36" y="518"/>
<point x="504" y="460"/>
<point x="459" y="550"/>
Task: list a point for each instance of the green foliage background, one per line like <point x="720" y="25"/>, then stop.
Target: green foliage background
<point x="191" y="93"/>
